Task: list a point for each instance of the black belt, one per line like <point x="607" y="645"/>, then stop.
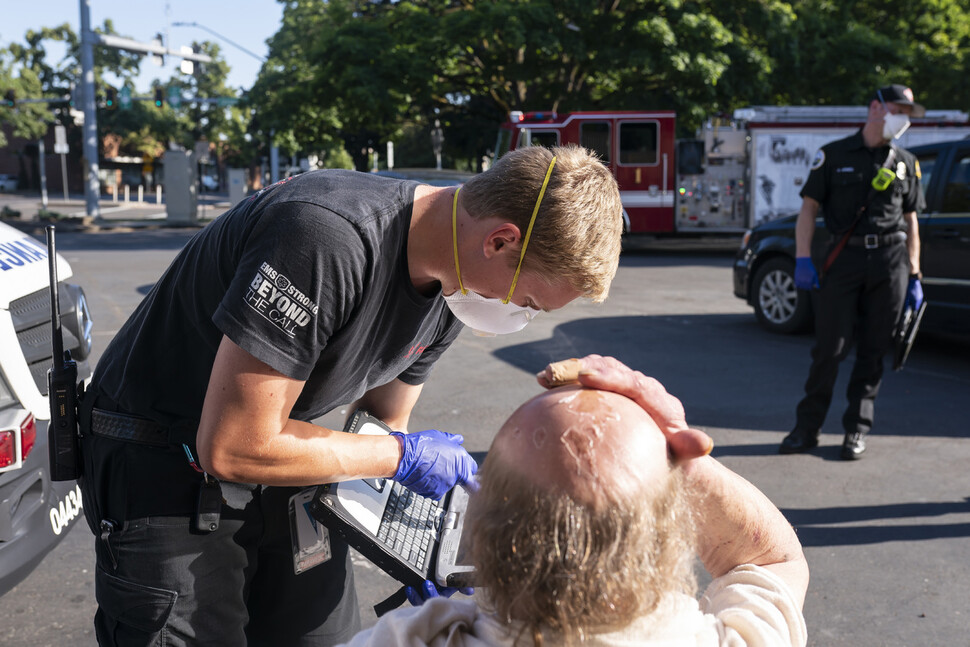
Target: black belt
<point x="872" y="241"/>
<point x="121" y="426"/>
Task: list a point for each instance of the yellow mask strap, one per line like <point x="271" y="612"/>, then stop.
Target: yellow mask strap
<point x="454" y="238"/>
<point x="528" y="233"/>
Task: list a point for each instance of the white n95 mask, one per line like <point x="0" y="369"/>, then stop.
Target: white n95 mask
<point x="894" y="126"/>
<point x="488" y="317"/>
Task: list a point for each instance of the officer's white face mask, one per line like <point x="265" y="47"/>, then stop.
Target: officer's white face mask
<point x="893" y="126"/>
<point x="489" y="316"/>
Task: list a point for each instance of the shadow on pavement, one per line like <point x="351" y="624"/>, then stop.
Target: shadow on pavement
<point x="731" y="373"/>
<point x="814" y="525"/>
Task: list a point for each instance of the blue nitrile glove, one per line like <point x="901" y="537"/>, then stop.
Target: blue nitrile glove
<point x="914" y="294"/>
<point x="433" y="462"/>
<point x="806" y="277"/>
<point x="428" y="590"/>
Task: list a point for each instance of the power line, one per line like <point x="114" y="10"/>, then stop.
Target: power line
<point x="236" y="45"/>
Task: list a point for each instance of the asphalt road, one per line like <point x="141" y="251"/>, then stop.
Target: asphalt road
<point x="887" y="538"/>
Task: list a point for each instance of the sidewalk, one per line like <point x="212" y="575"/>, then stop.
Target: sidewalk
<point x="114" y="216"/>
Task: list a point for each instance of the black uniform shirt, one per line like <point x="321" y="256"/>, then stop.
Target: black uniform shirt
<point x="840" y="181"/>
<point x="310" y="276"/>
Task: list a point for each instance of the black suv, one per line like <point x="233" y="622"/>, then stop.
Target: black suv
<point x="764" y="268"/>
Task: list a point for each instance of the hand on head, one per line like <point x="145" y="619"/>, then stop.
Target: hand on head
<point x="609" y="374"/>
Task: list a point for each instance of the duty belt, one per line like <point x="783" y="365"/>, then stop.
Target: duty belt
<point x="873" y="241"/>
<point x="121" y="426"/>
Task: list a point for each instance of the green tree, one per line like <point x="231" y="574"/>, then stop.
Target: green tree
<point x="291" y="105"/>
<point x="27" y="120"/>
<point x="367" y="71"/>
<point x="841" y="52"/>
<point x="372" y="70"/>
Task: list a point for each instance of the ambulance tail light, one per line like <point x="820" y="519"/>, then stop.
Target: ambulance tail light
<point x="516" y="116"/>
<point x="16" y="443"/>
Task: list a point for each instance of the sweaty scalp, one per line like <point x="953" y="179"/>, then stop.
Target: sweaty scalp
<point x="594" y="445"/>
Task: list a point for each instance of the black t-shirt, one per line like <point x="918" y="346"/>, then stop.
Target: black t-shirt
<point x="840" y="180"/>
<point x="310" y="276"/>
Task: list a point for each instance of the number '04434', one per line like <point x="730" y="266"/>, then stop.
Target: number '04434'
<point x="67" y="509"/>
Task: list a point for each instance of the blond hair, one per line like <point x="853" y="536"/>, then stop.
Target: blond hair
<point x="576" y="236"/>
<point x="551" y="563"/>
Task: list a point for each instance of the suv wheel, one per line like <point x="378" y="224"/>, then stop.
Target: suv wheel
<point x="778" y="304"/>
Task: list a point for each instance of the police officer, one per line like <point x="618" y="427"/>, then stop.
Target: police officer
<point x="869" y="190"/>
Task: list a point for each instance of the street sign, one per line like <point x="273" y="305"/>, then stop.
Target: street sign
<point x="124" y="97"/>
<point x="186" y="66"/>
<point x="60" y="140"/>
<point x="174" y="96"/>
<point x="222" y="102"/>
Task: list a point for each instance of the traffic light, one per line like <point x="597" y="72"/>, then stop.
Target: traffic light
<point x="110" y="97"/>
<point x="10" y="98"/>
<point x="159" y="98"/>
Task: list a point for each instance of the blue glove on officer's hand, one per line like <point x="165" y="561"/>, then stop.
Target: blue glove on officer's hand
<point x="914" y="294"/>
<point x="428" y="590"/>
<point x="433" y="462"/>
<point x="806" y="277"/>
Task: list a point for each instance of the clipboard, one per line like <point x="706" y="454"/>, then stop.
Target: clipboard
<point x="906" y="330"/>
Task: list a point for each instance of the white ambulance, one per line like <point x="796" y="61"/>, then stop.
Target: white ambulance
<point x="35" y="512"/>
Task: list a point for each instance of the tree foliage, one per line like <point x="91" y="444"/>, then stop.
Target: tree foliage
<point x="368" y="71"/>
<point x="349" y="75"/>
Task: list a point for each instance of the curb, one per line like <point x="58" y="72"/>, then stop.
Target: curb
<point x="88" y="225"/>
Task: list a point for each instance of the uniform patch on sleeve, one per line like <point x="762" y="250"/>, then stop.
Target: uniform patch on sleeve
<point x="274" y="296"/>
<point x="919" y="173"/>
<point x="819" y="160"/>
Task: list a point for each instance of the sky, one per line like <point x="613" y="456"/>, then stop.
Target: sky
<point x="248" y="23"/>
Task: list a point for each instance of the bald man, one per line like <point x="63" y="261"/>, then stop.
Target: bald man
<point x="594" y="499"/>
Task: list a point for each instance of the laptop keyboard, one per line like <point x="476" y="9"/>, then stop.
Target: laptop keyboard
<point x="408" y="525"/>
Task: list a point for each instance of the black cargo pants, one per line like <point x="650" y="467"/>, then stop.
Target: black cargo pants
<point x="859" y="303"/>
<point x="158" y="581"/>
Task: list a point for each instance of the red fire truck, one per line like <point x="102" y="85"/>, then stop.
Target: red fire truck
<point x="738" y="172"/>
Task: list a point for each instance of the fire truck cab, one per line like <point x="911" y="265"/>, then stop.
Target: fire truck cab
<point x="637" y="147"/>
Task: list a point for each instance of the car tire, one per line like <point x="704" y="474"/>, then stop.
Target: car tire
<point x="779" y="306"/>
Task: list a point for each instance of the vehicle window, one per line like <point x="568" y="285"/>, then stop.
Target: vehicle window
<point x="547" y="138"/>
<point x="638" y="143"/>
<point x="503" y="143"/>
<point x="6" y="396"/>
<point x="595" y="136"/>
<point x="956" y="193"/>
<point x="926" y="165"/>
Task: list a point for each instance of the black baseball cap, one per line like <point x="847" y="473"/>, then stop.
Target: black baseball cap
<point x="902" y="95"/>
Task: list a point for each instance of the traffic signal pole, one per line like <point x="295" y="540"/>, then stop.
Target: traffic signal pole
<point x="92" y="185"/>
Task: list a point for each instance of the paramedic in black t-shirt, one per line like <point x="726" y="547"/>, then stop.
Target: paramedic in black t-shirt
<point x="858" y="299"/>
<point x="330" y="288"/>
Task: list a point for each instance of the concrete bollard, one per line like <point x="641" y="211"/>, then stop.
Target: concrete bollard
<point x="158" y="194"/>
<point x="114" y="193"/>
<point x="127" y="195"/>
<point x="141" y="193"/>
